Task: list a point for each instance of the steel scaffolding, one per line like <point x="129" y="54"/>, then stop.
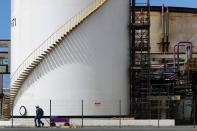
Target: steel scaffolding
<point x="140" y="57"/>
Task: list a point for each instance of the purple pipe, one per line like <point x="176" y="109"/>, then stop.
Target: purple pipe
<point x="188" y="46"/>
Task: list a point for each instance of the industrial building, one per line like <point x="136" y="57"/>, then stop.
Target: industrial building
<point x="106" y="53"/>
<point x="4" y="77"/>
<point x="163" y="62"/>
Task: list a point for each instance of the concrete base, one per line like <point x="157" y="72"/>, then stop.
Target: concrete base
<point x="118" y="122"/>
<point x="94" y="122"/>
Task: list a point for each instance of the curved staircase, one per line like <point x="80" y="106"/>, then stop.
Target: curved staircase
<point x="36" y="57"/>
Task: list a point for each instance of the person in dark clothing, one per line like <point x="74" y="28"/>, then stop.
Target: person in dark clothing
<point x="39" y="115"/>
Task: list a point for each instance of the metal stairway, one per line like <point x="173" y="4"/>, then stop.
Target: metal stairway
<point x="36" y="57"/>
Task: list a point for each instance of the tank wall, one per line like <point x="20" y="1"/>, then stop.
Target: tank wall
<point x="90" y="65"/>
<point x="35" y="20"/>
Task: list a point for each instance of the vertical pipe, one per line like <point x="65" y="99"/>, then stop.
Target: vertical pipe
<point x="164" y="36"/>
<point x="50" y="113"/>
<point x="148" y="8"/>
<point x="120" y="114"/>
<point x="130" y="74"/>
<point x="191" y="50"/>
<point x="149" y="59"/>
<point x="162" y="19"/>
<point x="167" y="24"/>
<point x="163" y="29"/>
<point x="132" y="52"/>
<point x="174" y="58"/>
<point x="82" y="113"/>
<point x="133" y="11"/>
<point x="168" y="30"/>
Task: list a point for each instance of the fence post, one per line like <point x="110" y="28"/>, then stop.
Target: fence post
<point x="82" y="113"/>
<point x="50" y="114"/>
<point x="194" y="112"/>
<point x="158" y="112"/>
<point x="120" y="111"/>
<point x="150" y="110"/>
<point x="12" y="117"/>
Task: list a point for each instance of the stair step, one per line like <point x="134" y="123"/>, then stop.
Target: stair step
<point x="23" y="76"/>
<point x="27" y="71"/>
<point x="39" y="59"/>
<point x="44" y="54"/>
<point x="20" y="79"/>
<point x="11" y="98"/>
<point x="35" y="62"/>
<point x="14" y="89"/>
<point x="32" y="65"/>
<point x="24" y="73"/>
<point x="46" y="51"/>
<point x="42" y="57"/>
<point x="17" y="84"/>
<point x="60" y="40"/>
<point x="49" y="49"/>
<point x="57" y="42"/>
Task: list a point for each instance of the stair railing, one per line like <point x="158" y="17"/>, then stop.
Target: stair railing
<point x="66" y="28"/>
<point x="51" y="40"/>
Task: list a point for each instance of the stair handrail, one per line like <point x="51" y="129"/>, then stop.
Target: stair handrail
<point x="64" y="29"/>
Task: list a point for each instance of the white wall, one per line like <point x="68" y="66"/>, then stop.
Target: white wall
<point x="91" y="64"/>
<point x="36" y="20"/>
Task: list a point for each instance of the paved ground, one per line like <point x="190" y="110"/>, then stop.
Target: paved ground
<point x="180" y="128"/>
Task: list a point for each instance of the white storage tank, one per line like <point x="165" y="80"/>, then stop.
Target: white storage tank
<point x="90" y="64"/>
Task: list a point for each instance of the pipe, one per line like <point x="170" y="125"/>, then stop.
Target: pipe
<point x="167" y="24"/>
<point x="168" y="30"/>
<point x="162" y="19"/>
<point x="188" y="46"/>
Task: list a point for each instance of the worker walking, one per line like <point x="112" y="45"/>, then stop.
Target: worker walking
<point x="39" y="115"/>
